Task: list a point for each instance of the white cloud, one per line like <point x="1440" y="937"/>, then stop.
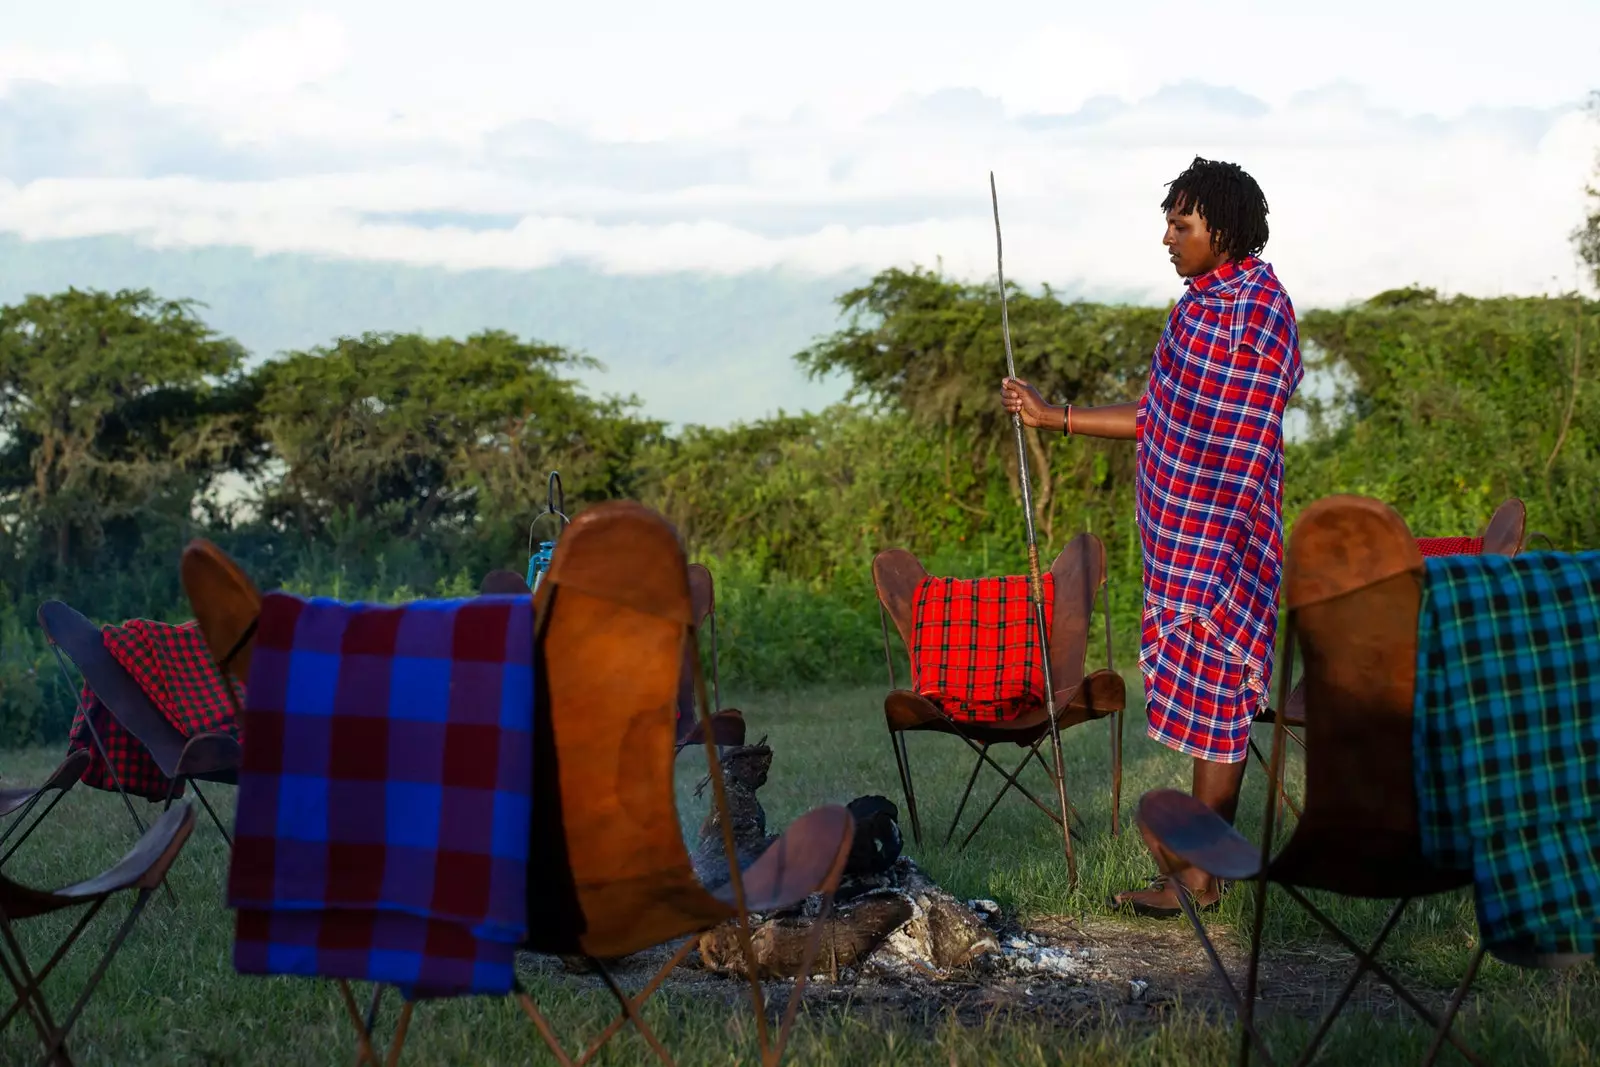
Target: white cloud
<point x="1362" y="199"/>
<point x="274" y="60"/>
<point x="95" y="64"/>
<point x="1395" y="147"/>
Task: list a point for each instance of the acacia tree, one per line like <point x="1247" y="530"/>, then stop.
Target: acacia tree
<point x="409" y="436"/>
<point x="113" y="406"/>
<point x="933" y="349"/>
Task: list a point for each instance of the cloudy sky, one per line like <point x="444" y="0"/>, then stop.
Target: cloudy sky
<point x="1398" y="142"/>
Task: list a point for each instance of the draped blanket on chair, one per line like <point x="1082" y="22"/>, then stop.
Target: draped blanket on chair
<point x="975" y="646"/>
<point x="1507" y="741"/>
<point x="172" y="664"/>
<point x="1450" y="546"/>
<point x="385" y="793"/>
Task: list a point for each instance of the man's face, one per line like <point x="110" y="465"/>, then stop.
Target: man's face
<point x="1188" y="243"/>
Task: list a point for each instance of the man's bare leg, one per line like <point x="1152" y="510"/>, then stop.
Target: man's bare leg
<point x="1216" y="785"/>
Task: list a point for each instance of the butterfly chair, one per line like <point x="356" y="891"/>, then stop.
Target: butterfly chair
<point x="22" y="801"/>
<point x="727" y="723"/>
<point x="1504" y="536"/>
<point x="142" y="869"/>
<point x="1078" y="575"/>
<point x="204" y="757"/>
<point x="1352" y="591"/>
<point x="609" y="874"/>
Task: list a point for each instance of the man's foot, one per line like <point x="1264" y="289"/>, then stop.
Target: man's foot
<point x="1160" y="899"/>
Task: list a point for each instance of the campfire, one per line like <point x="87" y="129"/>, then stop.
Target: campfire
<point x="890" y="921"/>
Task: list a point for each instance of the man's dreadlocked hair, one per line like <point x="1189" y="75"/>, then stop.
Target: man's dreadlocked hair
<point x="1228" y="199"/>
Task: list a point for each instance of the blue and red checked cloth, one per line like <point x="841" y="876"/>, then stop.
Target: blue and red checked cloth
<point x="1506" y="738"/>
<point x="385" y="793"/>
<point x="1209" y="498"/>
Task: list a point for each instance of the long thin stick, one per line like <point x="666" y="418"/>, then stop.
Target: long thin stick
<point x="1035" y="582"/>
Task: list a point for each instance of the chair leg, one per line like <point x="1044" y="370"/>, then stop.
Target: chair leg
<point x="1011" y="782"/>
<point x="902" y="762"/>
<point x="99" y="973"/>
<point x="1266" y="769"/>
<point x="56" y="1039"/>
<point x="1249" y="1035"/>
<point x="43" y="974"/>
<point x="22" y="815"/>
<point x="638" y="1000"/>
<point x="542" y="1024"/>
<point x="398" y="1041"/>
<point x="364" y="1052"/>
<point x="772" y="1057"/>
<point x="1384" y="975"/>
<point x="223" y="830"/>
<point x="1310" y="1051"/>
<point x="630" y="1011"/>
<point x="961" y="807"/>
<point x="1116" y="776"/>
<point x="30" y="1002"/>
<point x="1455" y="1006"/>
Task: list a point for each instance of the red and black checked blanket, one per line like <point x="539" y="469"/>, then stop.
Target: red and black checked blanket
<point x="975" y="648"/>
<point x="172" y="664"/>
<point x="1450" y="546"/>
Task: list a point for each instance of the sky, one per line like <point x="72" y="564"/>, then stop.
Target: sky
<point x="1398" y="143"/>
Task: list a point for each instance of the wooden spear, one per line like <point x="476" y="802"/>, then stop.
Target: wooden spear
<point x="1035" y="582"/>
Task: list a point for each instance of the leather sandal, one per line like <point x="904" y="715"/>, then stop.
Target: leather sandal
<point x="1146" y="909"/>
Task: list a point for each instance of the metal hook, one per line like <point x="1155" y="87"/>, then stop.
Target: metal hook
<point x="555" y="504"/>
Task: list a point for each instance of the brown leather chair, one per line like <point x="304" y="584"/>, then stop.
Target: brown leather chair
<point x="1080" y="576"/>
<point x="22" y="800"/>
<point x="143" y="869"/>
<point x="1352" y="591"/>
<point x="1505" y="535"/>
<point x="727" y="724"/>
<point x="609" y="873"/>
<point x="203" y="757"/>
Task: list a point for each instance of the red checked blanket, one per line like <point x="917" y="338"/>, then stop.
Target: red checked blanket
<point x="975" y="647"/>
<point x="172" y="664"/>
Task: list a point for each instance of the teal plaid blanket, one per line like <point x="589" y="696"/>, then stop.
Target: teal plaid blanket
<point x="1507" y="741"/>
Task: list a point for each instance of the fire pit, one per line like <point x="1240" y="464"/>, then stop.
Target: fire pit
<point x="889" y="919"/>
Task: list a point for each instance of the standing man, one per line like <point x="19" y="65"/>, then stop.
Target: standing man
<point x="1208" y="436"/>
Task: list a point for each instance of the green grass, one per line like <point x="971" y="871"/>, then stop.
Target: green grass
<point x="171" y="997"/>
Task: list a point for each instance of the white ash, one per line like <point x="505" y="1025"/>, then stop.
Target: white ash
<point x="945" y="938"/>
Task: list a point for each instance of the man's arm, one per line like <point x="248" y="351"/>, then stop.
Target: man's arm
<point x="1117" y="421"/>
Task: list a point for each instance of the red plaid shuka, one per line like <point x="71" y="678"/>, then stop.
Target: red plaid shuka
<point x="172" y="664"/>
<point x="1450" y="546"/>
<point x="975" y="646"/>
<point x="1209" y="493"/>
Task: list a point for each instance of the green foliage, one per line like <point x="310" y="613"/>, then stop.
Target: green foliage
<point x="390" y="466"/>
<point x="113" y="406"/>
<point x="1461" y="403"/>
<point x="412" y="436"/>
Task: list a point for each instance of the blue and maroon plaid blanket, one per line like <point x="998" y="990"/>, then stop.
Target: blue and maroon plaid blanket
<point x="385" y="793"/>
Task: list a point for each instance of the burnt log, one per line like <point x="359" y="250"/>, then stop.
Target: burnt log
<point x="744" y="770"/>
<point x="847" y="937"/>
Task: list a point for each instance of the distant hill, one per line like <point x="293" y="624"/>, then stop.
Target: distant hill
<point x="693" y="347"/>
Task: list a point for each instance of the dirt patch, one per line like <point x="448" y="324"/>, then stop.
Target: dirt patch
<point x="1059" y="973"/>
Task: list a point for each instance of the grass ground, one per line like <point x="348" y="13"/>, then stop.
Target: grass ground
<point x="172" y="998"/>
